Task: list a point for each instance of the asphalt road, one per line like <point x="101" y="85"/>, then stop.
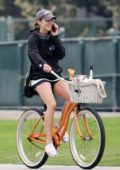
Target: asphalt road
<point x="47" y="167"/>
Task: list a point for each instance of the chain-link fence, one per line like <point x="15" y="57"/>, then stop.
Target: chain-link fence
<point x="102" y="53"/>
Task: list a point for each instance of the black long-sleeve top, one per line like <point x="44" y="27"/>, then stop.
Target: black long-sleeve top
<point x="44" y="50"/>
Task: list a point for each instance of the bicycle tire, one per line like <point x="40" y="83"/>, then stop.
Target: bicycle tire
<point x="32" y="154"/>
<point x="87" y="152"/>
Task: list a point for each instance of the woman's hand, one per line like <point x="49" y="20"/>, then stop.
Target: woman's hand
<point x="55" y="29"/>
<point x="47" y="68"/>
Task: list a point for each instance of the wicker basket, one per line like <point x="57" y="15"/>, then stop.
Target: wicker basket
<point x="85" y="92"/>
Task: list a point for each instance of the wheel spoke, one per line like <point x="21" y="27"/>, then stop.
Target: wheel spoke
<point x="88" y="151"/>
<point x="31" y="152"/>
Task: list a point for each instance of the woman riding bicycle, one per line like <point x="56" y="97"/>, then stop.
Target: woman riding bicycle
<point x="45" y="49"/>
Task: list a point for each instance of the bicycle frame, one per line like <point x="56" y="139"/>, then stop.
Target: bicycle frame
<point x="69" y="107"/>
<point x="39" y="137"/>
<point x="58" y="133"/>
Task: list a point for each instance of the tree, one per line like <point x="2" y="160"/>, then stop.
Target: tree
<point x="7" y="7"/>
<point x="114" y="7"/>
<point x="29" y="7"/>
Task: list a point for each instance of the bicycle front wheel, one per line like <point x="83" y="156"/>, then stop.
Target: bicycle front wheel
<point x="31" y="152"/>
<point x="87" y="149"/>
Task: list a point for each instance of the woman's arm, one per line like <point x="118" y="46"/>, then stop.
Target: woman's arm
<point x="33" y="51"/>
<point x="59" y="48"/>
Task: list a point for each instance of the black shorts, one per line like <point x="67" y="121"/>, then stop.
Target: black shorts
<point x="35" y="83"/>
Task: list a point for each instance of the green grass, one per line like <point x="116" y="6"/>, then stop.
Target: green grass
<point x="111" y="157"/>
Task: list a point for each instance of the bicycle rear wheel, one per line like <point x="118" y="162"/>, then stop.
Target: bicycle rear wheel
<point x="31" y="152"/>
<point x="87" y="152"/>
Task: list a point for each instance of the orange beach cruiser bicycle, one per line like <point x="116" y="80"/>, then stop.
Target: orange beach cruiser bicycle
<point x="87" y="134"/>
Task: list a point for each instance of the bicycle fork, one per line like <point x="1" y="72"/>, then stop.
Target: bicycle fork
<point x="86" y="124"/>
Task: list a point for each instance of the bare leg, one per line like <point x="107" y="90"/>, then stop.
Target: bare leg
<point x="62" y="89"/>
<point x="45" y="92"/>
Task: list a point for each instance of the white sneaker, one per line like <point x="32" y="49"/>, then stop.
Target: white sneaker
<point x="66" y="137"/>
<point x="50" y="150"/>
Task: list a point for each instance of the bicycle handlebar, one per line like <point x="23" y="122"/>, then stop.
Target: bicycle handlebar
<point x="53" y="73"/>
<point x="60" y="78"/>
<point x="57" y="76"/>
